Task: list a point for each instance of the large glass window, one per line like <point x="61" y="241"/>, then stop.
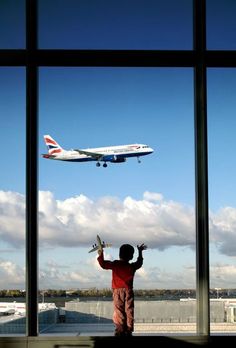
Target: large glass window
<point x="12" y="200"/>
<point x="151" y="202"/>
<point x="122" y="24"/>
<point x="12" y="24"/>
<point x="221" y="26"/>
<point x="222" y="143"/>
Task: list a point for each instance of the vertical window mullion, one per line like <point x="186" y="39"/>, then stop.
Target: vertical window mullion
<point x="201" y="172"/>
<point x="31" y="171"/>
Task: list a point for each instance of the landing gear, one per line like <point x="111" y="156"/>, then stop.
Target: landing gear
<point x="138" y="160"/>
<point x="98" y="164"/>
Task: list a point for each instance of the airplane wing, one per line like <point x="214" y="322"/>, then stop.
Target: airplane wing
<point x="96" y="247"/>
<point x="94" y="155"/>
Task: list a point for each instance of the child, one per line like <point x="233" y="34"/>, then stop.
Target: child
<point x="122" y="286"/>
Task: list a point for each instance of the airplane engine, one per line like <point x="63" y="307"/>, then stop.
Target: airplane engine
<point x="108" y="158"/>
<point x="118" y="160"/>
<point x="113" y="159"/>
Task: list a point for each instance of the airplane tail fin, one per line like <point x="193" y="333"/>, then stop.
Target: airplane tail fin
<point x="52" y="146"/>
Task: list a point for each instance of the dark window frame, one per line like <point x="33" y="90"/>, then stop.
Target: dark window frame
<point x="199" y="59"/>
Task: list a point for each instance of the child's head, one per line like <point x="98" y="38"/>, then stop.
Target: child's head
<point x="126" y="252"/>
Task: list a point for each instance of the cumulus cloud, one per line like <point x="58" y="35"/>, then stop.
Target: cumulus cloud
<point x="152" y="196"/>
<point x="55" y="275"/>
<point x="85" y="275"/>
<point x="75" y="221"/>
<point x="11" y="275"/>
<point x="223" y="230"/>
<point x="12" y="218"/>
<point x="162" y="278"/>
<point x="222" y="274"/>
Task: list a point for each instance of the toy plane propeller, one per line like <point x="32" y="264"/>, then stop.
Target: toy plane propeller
<point x="100" y="245"/>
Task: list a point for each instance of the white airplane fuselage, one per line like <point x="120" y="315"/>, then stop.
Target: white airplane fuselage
<point x="109" y="154"/>
<point x="114" y="154"/>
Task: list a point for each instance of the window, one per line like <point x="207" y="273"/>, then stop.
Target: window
<point x="12" y="24"/>
<point x="221" y="26"/>
<point x="221" y="126"/>
<point x="132" y="25"/>
<point x="152" y="201"/>
<point x="12" y="196"/>
<point x="53" y="63"/>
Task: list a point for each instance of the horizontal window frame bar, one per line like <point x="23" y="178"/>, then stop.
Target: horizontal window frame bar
<point x="115" y="58"/>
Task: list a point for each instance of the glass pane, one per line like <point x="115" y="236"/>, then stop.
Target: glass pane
<point x="221" y="25"/>
<point x="118" y="24"/>
<point x="12" y="24"/>
<point x="12" y="201"/>
<point x="222" y="201"/>
<point x="151" y="202"/>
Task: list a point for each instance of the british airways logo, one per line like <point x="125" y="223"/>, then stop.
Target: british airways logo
<point x="50" y="141"/>
<point x="135" y="147"/>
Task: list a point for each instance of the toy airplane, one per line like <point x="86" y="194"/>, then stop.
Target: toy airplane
<point x="100" y="245"/>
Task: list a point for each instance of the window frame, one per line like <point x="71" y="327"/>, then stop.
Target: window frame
<point x="199" y="59"/>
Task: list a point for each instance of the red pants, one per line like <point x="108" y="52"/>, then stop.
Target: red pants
<point x="123" y="316"/>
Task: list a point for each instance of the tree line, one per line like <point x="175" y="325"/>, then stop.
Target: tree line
<point x="106" y="292"/>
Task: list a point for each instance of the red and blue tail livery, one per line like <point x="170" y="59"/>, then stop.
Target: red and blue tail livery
<point x="52" y="146"/>
<point x="112" y="154"/>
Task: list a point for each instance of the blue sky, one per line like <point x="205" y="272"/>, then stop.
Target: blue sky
<point x="132" y="24"/>
<point x="152" y="201"/>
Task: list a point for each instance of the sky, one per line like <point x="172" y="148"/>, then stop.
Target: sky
<point x="151" y="202"/>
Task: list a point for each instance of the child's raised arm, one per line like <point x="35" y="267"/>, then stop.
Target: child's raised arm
<point x="141" y="247"/>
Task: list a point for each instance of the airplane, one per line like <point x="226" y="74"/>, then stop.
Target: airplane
<point x="7" y="308"/>
<point x="19" y="308"/>
<point x="113" y="154"/>
<point x="100" y="245"/>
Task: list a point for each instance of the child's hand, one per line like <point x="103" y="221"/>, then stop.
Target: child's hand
<point x="100" y="252"/>
<point x="141" y="247"/>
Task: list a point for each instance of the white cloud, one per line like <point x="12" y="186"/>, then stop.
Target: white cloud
<point x="63" y="274"/>
<point x="222" y="274"/>
<point x="12" y="218"/>
<point x="75" y="222"/>
<point x="11" y="275"/>
<point x="152" y="196"/>
<point x="223" y="230"/>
